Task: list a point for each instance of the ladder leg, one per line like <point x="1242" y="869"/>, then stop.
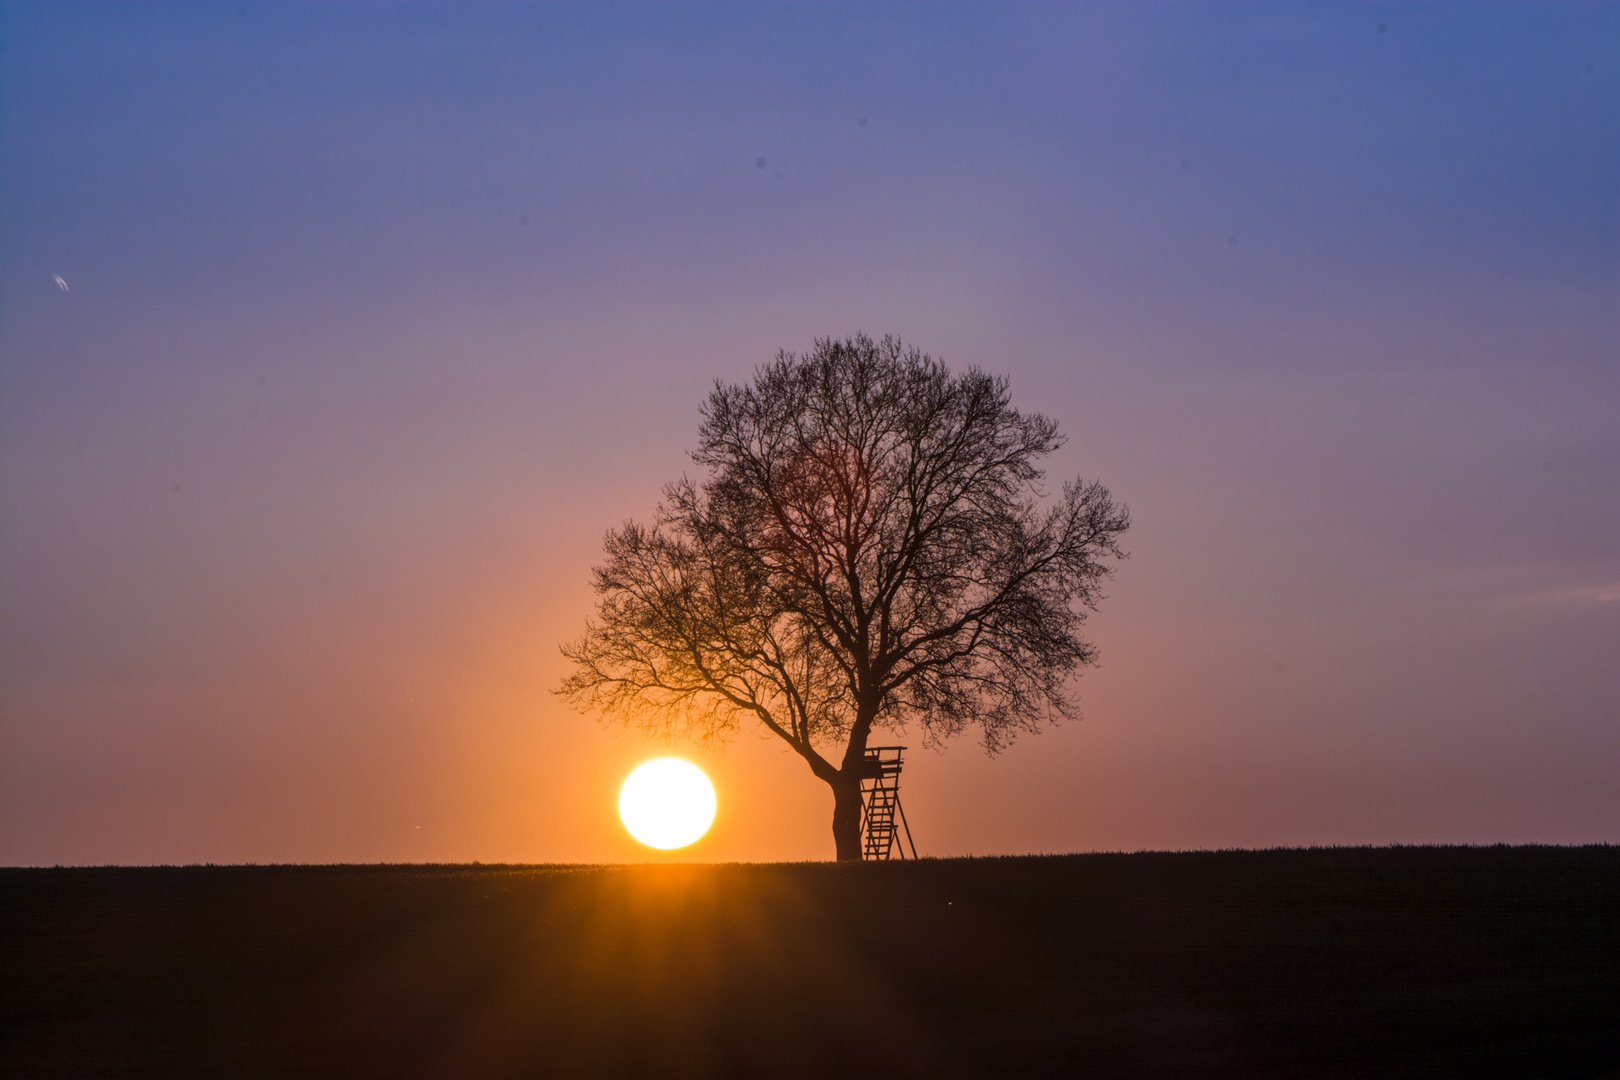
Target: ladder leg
<point x="907" y="824"/>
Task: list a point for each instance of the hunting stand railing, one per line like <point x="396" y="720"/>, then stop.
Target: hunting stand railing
<point x="880" y="804"/>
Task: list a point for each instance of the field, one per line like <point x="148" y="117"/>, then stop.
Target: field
<point x="1415" y="962"/>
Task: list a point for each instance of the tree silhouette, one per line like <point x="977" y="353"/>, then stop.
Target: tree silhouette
<point x="868" y="551"/>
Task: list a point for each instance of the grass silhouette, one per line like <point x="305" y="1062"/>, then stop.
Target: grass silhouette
<point x="1348" y="962"/>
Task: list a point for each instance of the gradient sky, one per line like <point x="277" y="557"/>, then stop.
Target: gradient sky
<point x="378" y="316"/>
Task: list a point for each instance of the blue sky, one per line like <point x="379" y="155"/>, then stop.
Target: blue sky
<point x="379" y="314"/>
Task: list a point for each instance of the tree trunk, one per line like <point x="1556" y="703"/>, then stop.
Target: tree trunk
<point x="847" y="817"/>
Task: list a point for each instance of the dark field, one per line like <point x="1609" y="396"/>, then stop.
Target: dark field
<point x="1420" y="962"/>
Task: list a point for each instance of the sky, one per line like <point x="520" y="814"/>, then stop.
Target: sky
<point x="334" y="337"/>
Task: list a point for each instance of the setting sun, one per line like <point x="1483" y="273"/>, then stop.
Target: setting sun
<point x="667" y="803"/>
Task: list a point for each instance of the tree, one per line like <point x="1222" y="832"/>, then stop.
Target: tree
<point x="868" y="551"/>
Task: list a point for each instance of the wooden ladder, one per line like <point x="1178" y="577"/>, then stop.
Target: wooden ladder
<point x="880" y="804"/>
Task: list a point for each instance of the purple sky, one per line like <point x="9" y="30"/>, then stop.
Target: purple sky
<point x="378" y="316"/>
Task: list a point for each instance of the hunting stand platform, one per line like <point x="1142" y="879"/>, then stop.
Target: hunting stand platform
<point x="880" y="804"/>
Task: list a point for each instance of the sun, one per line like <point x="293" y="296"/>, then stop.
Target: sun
<point x="667" y="803"/>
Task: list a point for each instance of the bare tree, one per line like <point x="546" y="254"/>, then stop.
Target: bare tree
<point x="867" y="552"/>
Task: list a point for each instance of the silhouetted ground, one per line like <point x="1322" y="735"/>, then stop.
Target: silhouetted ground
<point x="1405" y="962"/>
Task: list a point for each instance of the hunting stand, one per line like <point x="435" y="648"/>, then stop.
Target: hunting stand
<point x="880" y="804"/>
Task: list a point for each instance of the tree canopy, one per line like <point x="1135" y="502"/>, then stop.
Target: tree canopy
<point x="870" y="549"/>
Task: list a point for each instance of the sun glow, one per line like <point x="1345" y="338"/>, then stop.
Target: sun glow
<point x="667" y="803"/>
